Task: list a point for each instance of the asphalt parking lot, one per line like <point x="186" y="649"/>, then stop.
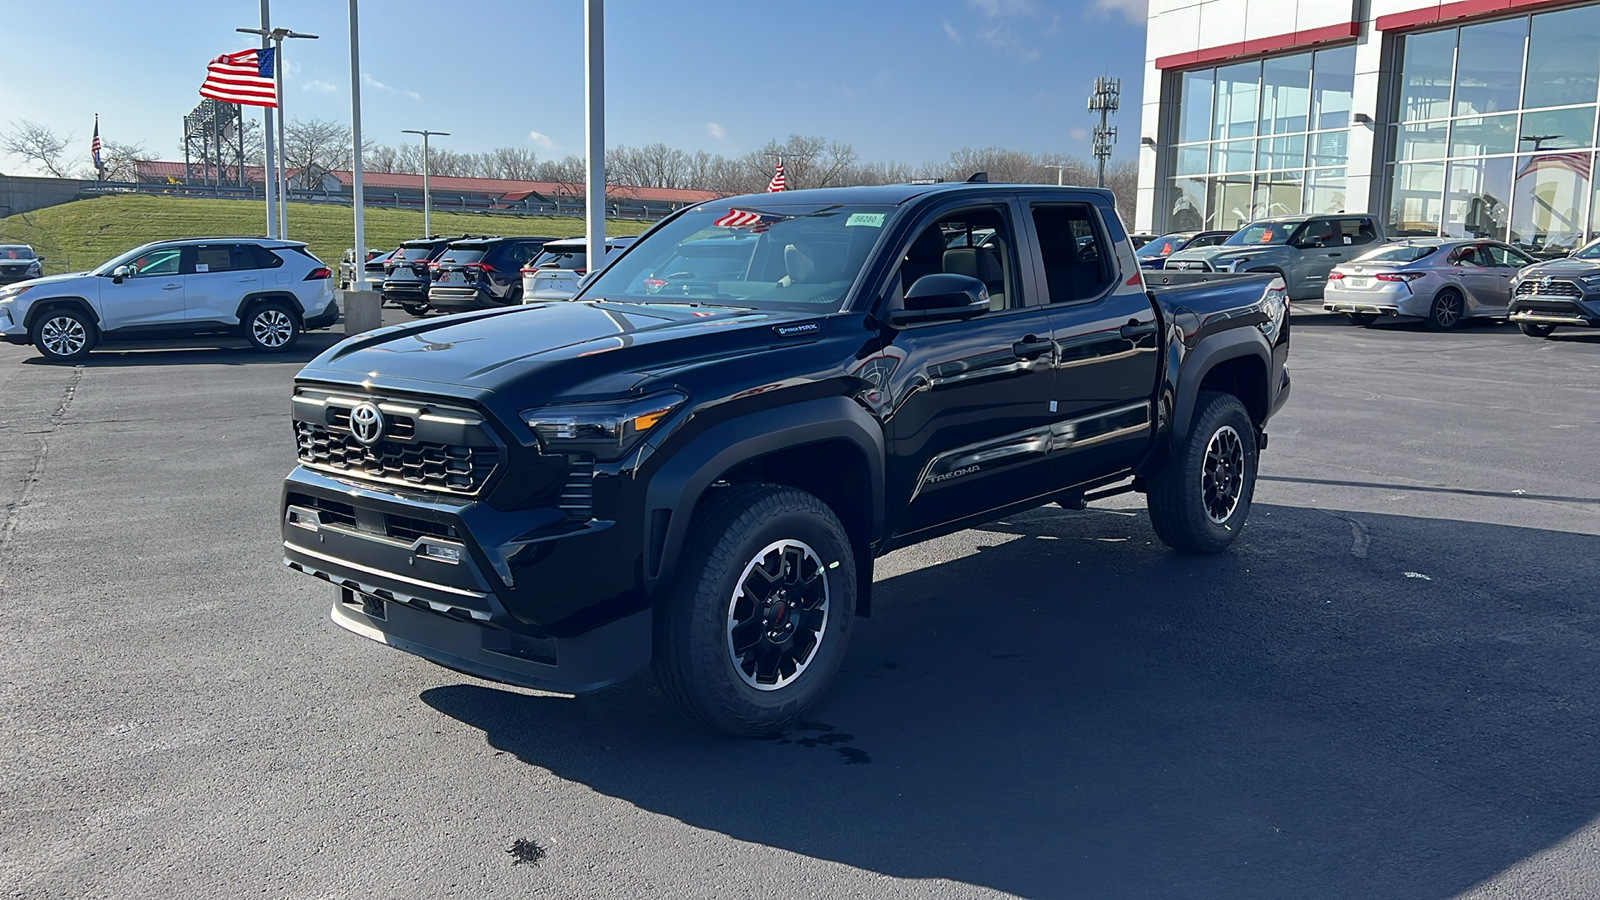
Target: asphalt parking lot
<point x="1388" y="689"/>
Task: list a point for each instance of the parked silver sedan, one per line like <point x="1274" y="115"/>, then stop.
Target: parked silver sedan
<point x="1438" y="280"/>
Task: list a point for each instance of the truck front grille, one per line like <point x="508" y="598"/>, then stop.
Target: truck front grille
<point x="1536" y="286"/>
<point x="425" y="464"/>
<point x="577" y="495"/>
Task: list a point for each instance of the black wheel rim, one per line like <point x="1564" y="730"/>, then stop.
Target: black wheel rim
<point x="63" y="335"/>
<point x="1222" y="476"/>
<point x="778" y="615"/>
<point x="1447" y="311"/>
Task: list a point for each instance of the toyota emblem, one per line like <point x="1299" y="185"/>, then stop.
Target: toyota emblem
<point x="366" y="423"/>
<point x="1546" y="281"/>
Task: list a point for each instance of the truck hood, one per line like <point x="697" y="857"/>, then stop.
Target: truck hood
<point x="564" y="350"/>
<point x="1561" y="268"/>
<point x="1221" y="253"/>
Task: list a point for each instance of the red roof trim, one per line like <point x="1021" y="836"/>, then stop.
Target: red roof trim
<point x="1462" y="9"/>
<point x="1263" y="46"/>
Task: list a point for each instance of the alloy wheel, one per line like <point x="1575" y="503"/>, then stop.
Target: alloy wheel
<point x="1447" y="311"/>
<point x="778" y="615"/>
<point x="1222" y="475"/>
<point x="63" y="335"/>
<point x="272" y="328"/>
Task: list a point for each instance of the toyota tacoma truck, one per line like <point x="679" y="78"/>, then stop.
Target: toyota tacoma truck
<point x="692" y="468"/>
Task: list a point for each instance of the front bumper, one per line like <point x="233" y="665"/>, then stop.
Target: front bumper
<point x="11" y="328"/>
<point x="511" y="596"/>
<point x="1535" y="309"/>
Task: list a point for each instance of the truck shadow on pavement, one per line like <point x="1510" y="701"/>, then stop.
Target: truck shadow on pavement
<point x="211" y="351"/>
<point x="1065" y="708"/>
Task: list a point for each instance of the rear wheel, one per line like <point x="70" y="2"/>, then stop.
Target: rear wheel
<point x="1362" y="319"/>
<point x="272" y="327"/>
<point x="1535" y="329"/>
<point x="759" y="615"/>
<point x="64" y="334"/>
<point x="1200" y="497"/>
<point x="1448" y="309"/>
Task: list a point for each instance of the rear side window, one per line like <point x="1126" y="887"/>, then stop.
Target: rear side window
<point x="1077" y="262"/>
<point x="1357" y="231"/>
<point x="255" y="256"/>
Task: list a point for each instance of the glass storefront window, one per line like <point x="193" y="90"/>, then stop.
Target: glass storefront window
<point x="1188" y="205"/>
<point x="1237" y="156"/>
<point x="1478" y="199"/>
<point x="1489" y="67"/>
<point x="1230" y="202"/>
<point x="1194" y="105"/>
<point x="1423" y="140"/>
<point x="1238" y="101"/>
<point x="1563" y="58"/>
<point x="1557" y="129"/>
<point x="1281" y="152"/>
<point x="1416" y="199"/>
<point x="1277" y="194"/>
<point x="1325" y="191"/>
<point x="1484" y="135"/>
<point x="1193" y="160"/>
<point x="1333" y="87"/>
<point x="1426" y="70"/>
<point x="1285" y="94"/>
<point x="1548" y="200"/>
<point x="1330" y="148"/>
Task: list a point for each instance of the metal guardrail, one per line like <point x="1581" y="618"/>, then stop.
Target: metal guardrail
<point x="462" y="203"/>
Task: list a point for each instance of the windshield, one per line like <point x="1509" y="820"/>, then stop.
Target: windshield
<point x="769" y="256"/>
<point x="1166" y="245"/>
<point x="16" y="253"/>
<point x="1262" y="233"/>
<point x="1402" y="253"/>
<point x="464" y="254"/>
<point x="1588" y="251"/>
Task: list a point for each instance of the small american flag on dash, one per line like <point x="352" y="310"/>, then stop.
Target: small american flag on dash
<point x="777" y="183"/>
<point x="244" y="78"/>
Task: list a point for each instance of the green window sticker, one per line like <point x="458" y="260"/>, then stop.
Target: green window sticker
<point x="870" y="220"/>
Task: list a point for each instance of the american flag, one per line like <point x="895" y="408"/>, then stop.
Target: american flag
<point x="777" y="183"/>
<point x="1578" y="163"/>
<point x="244" y="78"/>
<point x="94" y="146"/>
<point x="747" y="218"/>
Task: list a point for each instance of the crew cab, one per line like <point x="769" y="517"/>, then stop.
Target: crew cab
<point x="1300" y="249"/>
<point x="695" y="472"/>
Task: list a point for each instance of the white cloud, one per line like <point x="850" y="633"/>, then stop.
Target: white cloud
<point x="543" y="140"/>
<point x="999" y="8"/>
<point x="371" y="82"/>
<point x="950" y="31"/>
<point x="1003" y="39"/>
<point x="716" y="131"/>
<point x="1135" y="11"/>
<point x="1079" y="134"/>
<point x="318" y="84"/>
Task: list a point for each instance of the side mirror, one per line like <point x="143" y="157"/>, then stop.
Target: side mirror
<point x="119" y="273"/>
<point x="941" y="297"/>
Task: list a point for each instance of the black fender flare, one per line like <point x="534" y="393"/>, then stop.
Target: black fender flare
<point x="1211" y="351"/>
<point x="682" y="480"/>
<point x="37" y="308"/>
<point x="259" y="297"/>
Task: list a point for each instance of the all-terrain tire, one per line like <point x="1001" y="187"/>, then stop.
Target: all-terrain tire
<point x="725" y="616"/>
<point x="1200" y="497"/>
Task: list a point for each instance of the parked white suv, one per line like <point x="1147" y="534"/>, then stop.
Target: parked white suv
<point x="266" y="291"/>
<point x="554" y="274"/>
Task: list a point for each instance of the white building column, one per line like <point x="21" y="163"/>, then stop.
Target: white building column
<point x="1364" y="170"/>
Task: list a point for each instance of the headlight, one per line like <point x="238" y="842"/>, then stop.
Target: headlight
<point x="606" y="430"/>
<point x="7" y="293"/>
<point x="1591" y="280"/>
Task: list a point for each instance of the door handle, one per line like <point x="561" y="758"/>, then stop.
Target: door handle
<point x="1032" y="347"/>
<point x="247" y="281"/>
<point x="1334" y="255"/>
<point x="1135" y="330"/>
<point x="172" y="287"/>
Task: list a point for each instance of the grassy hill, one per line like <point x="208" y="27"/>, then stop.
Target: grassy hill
<point x="85" y="233"/>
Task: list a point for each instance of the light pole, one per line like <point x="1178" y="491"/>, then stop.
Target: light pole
<point x="594" y="121"/>
<point x="357" y="197"/>
<point x="269" y="181"/>
<point x="277" y="35"/>
<point x="427" y="199"/>
<point x="1059" y="171"/>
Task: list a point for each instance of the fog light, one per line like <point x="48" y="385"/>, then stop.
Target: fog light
<point x="306" y="519"/>
<point x="442" y="553"/>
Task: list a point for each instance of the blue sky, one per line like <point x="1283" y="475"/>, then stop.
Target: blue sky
<point x="907" y="80"/>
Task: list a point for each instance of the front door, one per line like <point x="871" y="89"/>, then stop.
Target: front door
<point x="970" y="418"/>
<point x="1107" y="346"/>
<point x="151" y="296"/>
<point x="218" y="277"/>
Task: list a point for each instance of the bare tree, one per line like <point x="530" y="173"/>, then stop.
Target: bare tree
<point x="120" y="162"/>
<point x="39" y="146"/>
<point x="319" y="142"/>
<point x="513" y="163"/>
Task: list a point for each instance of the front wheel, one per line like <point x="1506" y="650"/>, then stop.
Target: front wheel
<point x="1362" y="319"/>
<point x="1200" y="497"/>
<point x="272" y="327"/>
<point x="758" y="617"/>
<point x="64" y="334"/>
<point x="1536" y="329"/>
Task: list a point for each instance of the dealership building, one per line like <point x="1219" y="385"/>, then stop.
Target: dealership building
<point x="1474" y="118"/>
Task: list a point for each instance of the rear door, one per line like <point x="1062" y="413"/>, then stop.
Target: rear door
<point x="1107" y="346"/>
<point x="151" y="297"/>
<point x="219" y="276"/>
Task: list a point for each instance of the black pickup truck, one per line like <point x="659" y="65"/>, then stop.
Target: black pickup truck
<point x="694" y="463"/>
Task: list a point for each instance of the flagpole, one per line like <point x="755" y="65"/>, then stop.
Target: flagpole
<point x="357" y="197"/>
<point x="594" y="88"/>
<point x="283" y="193"/>
<point x="269" y="180"/>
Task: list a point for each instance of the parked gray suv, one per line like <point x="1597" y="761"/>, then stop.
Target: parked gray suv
<point x="1303" y="249"/>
